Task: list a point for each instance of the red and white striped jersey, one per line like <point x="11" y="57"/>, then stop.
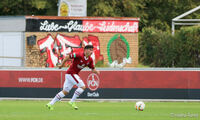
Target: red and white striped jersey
<point x="79" y="62"/>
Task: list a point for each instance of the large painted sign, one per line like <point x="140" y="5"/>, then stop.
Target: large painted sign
<point x="110" y="26"/>
<point x="56" y="49"/>
<point x="115" y="41"/>
<point x="44" y="25"/>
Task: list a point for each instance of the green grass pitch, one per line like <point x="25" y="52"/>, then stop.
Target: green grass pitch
<point x="88" y="110"/>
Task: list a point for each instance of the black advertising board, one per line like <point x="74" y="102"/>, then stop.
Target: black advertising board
<point x="53" y="25"/>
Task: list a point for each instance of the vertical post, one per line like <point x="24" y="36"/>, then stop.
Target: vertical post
<point x="58" y="4"/>
<point x="23" y="49"/>
<point x="173" y="31"/>
<point x="61" y="79"/>
<point x="173" y="27"/>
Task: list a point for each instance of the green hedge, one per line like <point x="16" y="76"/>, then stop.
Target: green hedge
<point x="161" y="49"/>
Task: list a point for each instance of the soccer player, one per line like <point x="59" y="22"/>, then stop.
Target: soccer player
<point x="80" y="60"/>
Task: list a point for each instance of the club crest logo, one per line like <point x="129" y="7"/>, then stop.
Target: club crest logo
<point x="93" y="81"/>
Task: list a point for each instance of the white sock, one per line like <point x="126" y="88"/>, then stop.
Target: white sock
<point x="57" y="98"/>
<point x="77" y="93"/>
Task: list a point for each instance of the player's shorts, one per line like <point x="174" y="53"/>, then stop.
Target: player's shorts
<point x="71" y="80"/>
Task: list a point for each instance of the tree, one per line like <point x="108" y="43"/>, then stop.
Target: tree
<point x="28" y="7"/>
<point x="152" y="13"/>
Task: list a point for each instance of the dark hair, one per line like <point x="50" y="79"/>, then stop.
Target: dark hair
<point x="88" y="47"/>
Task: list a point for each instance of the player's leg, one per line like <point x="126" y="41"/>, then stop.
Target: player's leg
<point x="77" y="93"/>
<point x="58" y="97"/>
<point x="66" y="89"/>
<point x="79" y="90"/>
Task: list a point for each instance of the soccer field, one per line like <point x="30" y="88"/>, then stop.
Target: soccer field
<point x="36" y="110"/>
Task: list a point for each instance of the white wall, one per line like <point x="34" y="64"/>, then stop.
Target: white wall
<point x="11" y="48"/>
<point x="12" y="23"/>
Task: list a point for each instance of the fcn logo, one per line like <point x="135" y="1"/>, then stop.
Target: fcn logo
<point x="93" y="81"/>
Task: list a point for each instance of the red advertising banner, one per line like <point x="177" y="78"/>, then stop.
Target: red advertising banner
<point x="147" y="79"/>
<point x="32" y="79"/>
<point x="110" y="26"/>
<point x="107" y="79"/>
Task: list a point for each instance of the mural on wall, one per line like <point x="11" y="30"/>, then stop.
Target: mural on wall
<point x="118" y="51"/>
<point x="50" y="39"/>
<point x="56" y="49"/>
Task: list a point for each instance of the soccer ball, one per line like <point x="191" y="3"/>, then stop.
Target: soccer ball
<point x="139" y="106"/>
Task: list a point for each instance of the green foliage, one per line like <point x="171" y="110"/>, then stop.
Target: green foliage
<point x="152" y="13"/>
<point x="28" y="7"/>
<point x="161" y="49"/>
<point x="142" y="66"/>
<point x="156" y="48"/>
<point x="113" y="8"/>
<point x="188" y="47"/>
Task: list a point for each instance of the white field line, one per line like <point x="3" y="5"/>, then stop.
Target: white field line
<point x="109" y="100"/>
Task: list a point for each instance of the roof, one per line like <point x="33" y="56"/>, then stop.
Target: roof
<point x="84" y="18"/>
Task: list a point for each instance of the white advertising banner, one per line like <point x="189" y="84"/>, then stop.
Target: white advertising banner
<point x="72" y="8"/>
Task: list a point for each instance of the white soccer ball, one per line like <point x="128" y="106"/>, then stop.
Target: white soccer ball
<point x="139" y="106"/>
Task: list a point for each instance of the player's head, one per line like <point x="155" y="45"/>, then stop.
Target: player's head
<point x="88" y="50"/>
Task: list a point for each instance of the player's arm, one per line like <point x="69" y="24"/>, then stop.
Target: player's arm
<point x="63" y="62"/>
<point x="91" y="66"/>
<point x="95" y="71"/>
